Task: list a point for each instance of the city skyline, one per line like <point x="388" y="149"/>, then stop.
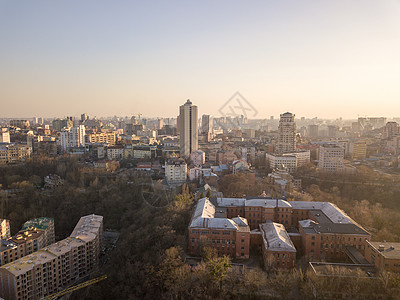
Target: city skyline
<point x="328" y="60"/>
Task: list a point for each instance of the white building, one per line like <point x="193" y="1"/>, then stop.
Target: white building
<point x="176" y="171"/>
<point x="290" y="160"/>
<point x="4" y="135"/>
<point x="286" y="134"/>
<point x="188" y="128"/>
<point x="198" y="158"/>
<point x="331" y="158"/>
<point x="72" y="137"/>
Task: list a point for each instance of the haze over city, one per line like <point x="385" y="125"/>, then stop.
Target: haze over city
<point x="327" y="59"/>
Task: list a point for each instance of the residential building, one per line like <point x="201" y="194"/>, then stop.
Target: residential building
<point x="59" y="124"/>
<point x="312" y="130"/>
<point x="286" y="134"/>
<point x="384" y="255"/>
<point x="4" y="229"/>
<point x="198" y="158"/>
<point x="331" y="157"/>
<point x="358" y="150"/>
<point x="56" y="266"/>
<point x="72" y="137"/>
<point x="20" y="123"/>
<point x="188" y="128"/>
<point x="175" y="171"/>
<point x="291" y="161"/>
<point x="103" y="138"/>
<point x="4" y="135"/>
<point x="115" y="152"/>
<point x="41" y="224"/>
<point x="391" y="130"/>
<point x="13" y="152"/>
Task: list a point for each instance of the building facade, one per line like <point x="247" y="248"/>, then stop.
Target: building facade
<point x="286" y="134"/>
<point x="56" y="266"/>
<point x="331" y="157"/>
<point x="188" y="128"/>
<point x="175" y="171"/>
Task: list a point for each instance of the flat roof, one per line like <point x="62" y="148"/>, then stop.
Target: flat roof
<point x="26" y="235"/>
<point x="38" y="223"/>
<point x="390" y="250"/>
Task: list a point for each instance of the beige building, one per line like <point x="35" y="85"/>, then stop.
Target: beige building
<point x="176" y="171"/>
<point x="4" y="135"/>
<point x="359" y="150"/>
<point x="103" y="138"/>
<point x="331" y="157"/>
<point x="12" y="153"/>
<point x="35" y="234"/>
<point x="188" y="128"/>
<point x="55" y="267"/>
<point x="286" y="134"/>
<point x="4" y="229"/>
<point x="384" y="255"/>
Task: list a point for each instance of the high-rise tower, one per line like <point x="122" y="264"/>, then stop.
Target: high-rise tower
<point x="286" y="134"/>
<point x="188" y="128"/>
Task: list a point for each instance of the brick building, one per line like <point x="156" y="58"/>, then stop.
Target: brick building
<point x="384" y="255"/>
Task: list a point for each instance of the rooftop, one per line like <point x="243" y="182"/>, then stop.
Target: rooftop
<point x="38" y="223"/>
<point x="389" y="250"/>
<point x="275" y="237"/>
<point x="26" y="235"/>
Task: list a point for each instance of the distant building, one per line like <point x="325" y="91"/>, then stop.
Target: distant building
<point x="72" y="137"/>
<point x="206" y="126"/>
<point x="291" y="161"/>
<point x="59" y="124"/>
<point x="175" y="171"/>
<point x="4" y="135"/>
<point x="188" y="128"/>
<point x="391" y="130"/>
<point x="20" y="123"/>
<point x="359" y="150"/>
<point x="198" y="158"/>
<point x="103" y="137"/>
<point x="312" y="131"/>
<point x="331" y="157"/>
<point x="13" y="153"/>
<point x="286" y="134"/>
<point x="52" y="181"/>
<point x="4" y="229"/>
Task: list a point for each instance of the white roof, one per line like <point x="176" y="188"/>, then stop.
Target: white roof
<point x="334" y="213"/>
<point x="204" y="217"/>
<point x="306" y="223"/>
<point x="276" y="238"/>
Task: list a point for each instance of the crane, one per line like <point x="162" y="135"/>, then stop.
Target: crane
<point x="74" y="288"/>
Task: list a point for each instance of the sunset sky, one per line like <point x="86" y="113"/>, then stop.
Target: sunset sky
<point x="314" y="58"/>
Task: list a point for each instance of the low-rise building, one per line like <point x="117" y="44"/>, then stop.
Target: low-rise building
<point x="384" y="255"/>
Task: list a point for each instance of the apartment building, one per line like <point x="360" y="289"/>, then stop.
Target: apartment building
<point x="4" y="135"/>
<point x="54" y="267"/>
<point x="331" y="157"/>
<point x="175" y="171"/>
<point x="35" y="234"/>
<point x="291" y="161"/>
<point x="103" y="138"/>
<point x="286" y="134"/>
<point x="41" y="224"/>
<point x="20" y="123"/>
<point x="72" y="137"/>
<point x="12" y="153"/>
<point x="4" y="229"/>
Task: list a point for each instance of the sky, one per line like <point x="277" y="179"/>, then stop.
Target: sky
<point x="328" y="59"/>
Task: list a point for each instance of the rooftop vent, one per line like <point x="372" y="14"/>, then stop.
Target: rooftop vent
<point x="391" y="247"/>
<point x="381" y="247"/>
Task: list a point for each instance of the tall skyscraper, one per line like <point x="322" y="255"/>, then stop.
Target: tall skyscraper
<point x="206" y="126"/>
<point x="188" y="128"/>
<point x="286" y="134"/>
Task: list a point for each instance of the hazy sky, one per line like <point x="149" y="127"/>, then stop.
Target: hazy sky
<point x="330" y="59"/>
